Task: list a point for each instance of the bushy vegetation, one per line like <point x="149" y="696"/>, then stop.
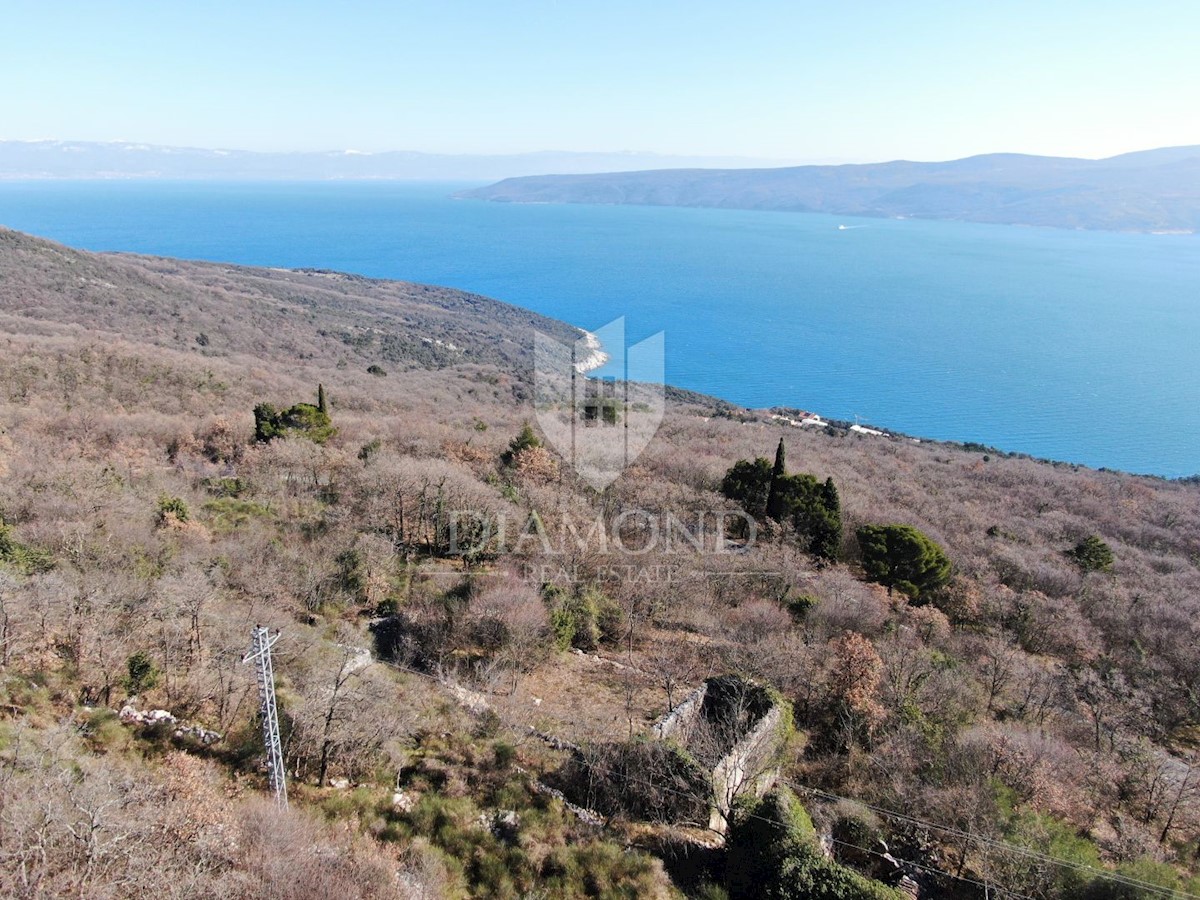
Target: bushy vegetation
<point x="748" y="483"/>
<point x="583" y="619"/>
<point x="1025" y="695"/>
<point x="648" y="780"/>
<point x="304" y="419"/>
<point x="141" y="673"/>
<point x="172" y="510"/>
<point x="497" y="837"/>
<point x="526" y="440"/>
<point x="773" y="855"/>
<point x="21" y="557"/>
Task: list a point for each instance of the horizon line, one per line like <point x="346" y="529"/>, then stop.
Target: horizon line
<point x="783" y="162"/>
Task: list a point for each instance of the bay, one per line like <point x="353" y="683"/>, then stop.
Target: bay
<point x="1074" y="346"/>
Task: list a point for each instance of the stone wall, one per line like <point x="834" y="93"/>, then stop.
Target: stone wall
<point x="749" y="761"/>
<point x="680" y="721"/>
<point x="746" y="767"/>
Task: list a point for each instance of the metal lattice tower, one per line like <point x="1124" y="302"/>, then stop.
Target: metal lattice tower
<point x="260" y="655"/>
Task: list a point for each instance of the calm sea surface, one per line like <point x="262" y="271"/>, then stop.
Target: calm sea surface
<point x="1076" y="346"/>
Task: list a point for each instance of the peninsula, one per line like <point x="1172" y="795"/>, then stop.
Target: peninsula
<point x="1147" y="191"/>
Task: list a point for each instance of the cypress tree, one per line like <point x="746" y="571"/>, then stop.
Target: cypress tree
<point x="830" y="499"/>
<point x="775" y="504"/>
<point x="321" y="405"/>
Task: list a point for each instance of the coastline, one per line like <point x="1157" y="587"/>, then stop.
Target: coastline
<point x="592" y="356"/>
<point x="596" y="357"/>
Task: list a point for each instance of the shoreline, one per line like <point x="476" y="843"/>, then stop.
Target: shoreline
<point x="596" y="357"/>
<point x="789" y="417"/>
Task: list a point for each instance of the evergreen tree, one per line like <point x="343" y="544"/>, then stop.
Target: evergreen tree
<point x="829" y="496"/>
<point x="1092" y="555"/>
<point x="143" y="674"/>
<point x="901" y="557"/>
<point x="307" y="420"/>
<point x="766" y="491"/>
<point x="775" y="505"/>
<point x="813" y="511"/>
<point x="749" y="484"/>
<point x="266" y="422"/>
<point x="825" y="528"/>
<point x="303" y="418"/>
<point x="524" y="441"/>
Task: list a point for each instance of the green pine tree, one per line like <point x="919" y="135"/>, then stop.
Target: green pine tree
<point x="825" y="530"/>
<point x="902" y="558"/>
<point x="748" y="482"/>
<point x="525" y="440"/>
<point x="1092" y="554"/>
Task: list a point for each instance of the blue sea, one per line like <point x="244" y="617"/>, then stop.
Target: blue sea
<point x="1075" y="346"/>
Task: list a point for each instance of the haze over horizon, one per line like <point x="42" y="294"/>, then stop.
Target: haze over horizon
<point x="633" y="153"/>
<point x="786" y="82"/>
<point x="123" y="160"/>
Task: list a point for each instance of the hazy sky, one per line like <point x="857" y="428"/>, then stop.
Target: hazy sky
<point x="789" y="79"/>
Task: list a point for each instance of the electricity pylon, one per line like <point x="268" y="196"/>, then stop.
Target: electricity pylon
<point x="260" y="655"/>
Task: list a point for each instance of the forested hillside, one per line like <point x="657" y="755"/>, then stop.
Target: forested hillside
<point x="982" y="670"/>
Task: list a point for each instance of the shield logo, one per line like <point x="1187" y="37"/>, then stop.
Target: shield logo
<point x="599" y="403"/>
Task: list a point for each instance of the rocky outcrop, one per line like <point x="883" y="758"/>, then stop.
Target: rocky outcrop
<point x="130" y="715"/>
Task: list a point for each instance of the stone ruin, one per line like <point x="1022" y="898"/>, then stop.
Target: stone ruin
<point x="734" y="728"/>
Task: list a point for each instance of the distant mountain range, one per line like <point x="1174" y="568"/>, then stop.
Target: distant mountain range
<point x="82" y="159"/>
<point x="1151" y="190"/>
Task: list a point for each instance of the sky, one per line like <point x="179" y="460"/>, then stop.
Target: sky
<point x="788" y="80"/>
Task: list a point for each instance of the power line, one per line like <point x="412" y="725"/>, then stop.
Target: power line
<point x="924" y="867"/>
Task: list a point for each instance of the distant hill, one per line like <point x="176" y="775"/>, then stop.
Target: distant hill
<point x="256" y="314"/>
<point x="119" y="159"/>
<point x="1153" y="190"/>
